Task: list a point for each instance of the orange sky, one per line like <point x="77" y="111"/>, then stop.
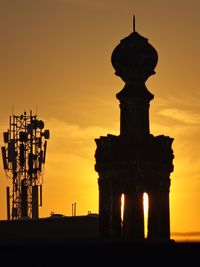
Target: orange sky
<point x="55" y="54"/>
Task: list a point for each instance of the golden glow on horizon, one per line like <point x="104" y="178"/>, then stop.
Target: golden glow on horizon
<point x="145" y="209"/>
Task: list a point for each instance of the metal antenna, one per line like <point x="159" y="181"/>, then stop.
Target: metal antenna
<point x="23" y="157"/>
<point x="133" y="23"/>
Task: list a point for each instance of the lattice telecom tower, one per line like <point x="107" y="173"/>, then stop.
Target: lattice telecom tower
<point x="23" y="157"/>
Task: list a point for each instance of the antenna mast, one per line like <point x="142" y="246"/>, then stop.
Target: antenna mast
<point x="23" y="157"/>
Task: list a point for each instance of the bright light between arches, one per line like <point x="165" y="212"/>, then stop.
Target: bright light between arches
<point x="122" y="208"/>
<point x="145" y="209"/>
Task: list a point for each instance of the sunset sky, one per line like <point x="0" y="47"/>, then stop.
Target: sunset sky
<point x="55" y="55"/>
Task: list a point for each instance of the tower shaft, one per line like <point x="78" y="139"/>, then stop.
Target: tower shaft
<point x="134" y="110"/>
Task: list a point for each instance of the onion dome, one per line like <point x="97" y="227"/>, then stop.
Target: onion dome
<point x="134" y="58"/>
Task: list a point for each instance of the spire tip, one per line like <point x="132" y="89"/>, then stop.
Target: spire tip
<point x="133" y="23"/>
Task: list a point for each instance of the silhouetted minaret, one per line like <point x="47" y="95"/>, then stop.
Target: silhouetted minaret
<point x="135" y="161"/>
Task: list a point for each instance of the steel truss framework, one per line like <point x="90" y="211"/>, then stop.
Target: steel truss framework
<point x="24" y="156"/>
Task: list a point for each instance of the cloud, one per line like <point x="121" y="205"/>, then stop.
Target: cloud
<point x="181" y="115"/>
<point x="73" y="143"/>
<point x="64" y="130"/>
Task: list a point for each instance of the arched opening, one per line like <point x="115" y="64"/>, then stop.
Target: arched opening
<point x="145" y="210"/>
<point x="145" y="206"/>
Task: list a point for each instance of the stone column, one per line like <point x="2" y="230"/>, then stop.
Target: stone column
<point x="153" y="215"/>
<point x="133" y="224"/>
<point x="109" y="209"/>
<point x="164" y="226"/>
<point x="159" y="215"/>
<point x="104" y="208"/>
<point x="115" y="223"/>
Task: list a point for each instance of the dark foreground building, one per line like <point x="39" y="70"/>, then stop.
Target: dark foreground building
<point x="62" y="241"/>
<point x="135" y="161"/>
<point x="49" y="231"/>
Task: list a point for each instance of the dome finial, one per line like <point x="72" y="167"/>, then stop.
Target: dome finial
<point x="133" y="23"/>
<point x="134" y="58"/>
